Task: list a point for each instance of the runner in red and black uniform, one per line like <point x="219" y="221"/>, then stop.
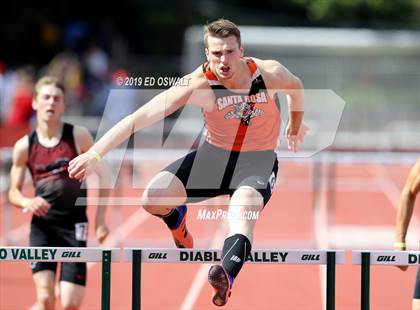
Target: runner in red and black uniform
<point x="242" y="121"/>
<point x="56" y="221"/>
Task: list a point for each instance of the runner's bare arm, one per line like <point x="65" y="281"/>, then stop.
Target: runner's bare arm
<point x="278" y="77"/>
<point x="37" y="205"/>
<point x="84" y="142"/>
<point x="406" y="204"/>
<point x="17" y="172"/>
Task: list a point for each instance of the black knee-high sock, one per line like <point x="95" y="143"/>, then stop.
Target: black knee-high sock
<point x="171" y="219"/>
<point x="235" y="251"/>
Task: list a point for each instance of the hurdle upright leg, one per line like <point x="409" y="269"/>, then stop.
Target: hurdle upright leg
<point x="365" y="293"/>
<point x="106" y="280"/>
<point x="136" y="280"/>
<point x="330" y="291"/>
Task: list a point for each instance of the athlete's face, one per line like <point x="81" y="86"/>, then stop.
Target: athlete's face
<point x="224" y="55"/>
<point x="49" y="103"/>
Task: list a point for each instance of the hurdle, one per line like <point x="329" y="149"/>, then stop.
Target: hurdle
<point x="259" y="256"/>
<point x="391" y="258"/>
<point x="67" y="255"/>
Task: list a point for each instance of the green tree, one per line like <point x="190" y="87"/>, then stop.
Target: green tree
<point x="363" y="13"/>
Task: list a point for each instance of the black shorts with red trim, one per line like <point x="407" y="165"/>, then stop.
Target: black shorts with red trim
<point x="52" y="233"/>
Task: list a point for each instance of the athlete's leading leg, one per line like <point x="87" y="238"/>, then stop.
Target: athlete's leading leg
<point x="245" y="202"/>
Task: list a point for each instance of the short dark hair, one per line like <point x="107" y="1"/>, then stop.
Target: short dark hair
<point x="221" y="28"/>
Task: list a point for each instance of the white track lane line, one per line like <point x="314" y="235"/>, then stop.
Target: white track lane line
<point x="389" y="187"/>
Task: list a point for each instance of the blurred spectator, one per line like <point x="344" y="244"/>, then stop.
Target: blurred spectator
<point x="21" y="107"/>
<point x="97" y="63"/>
<point x="98" y="79"/>
<point x="7" y="85"/>
<point x="2" y="90"/>
<point x="121" y="102"/>
<point x="75" y="35"/>
<point x="66" y="67"/>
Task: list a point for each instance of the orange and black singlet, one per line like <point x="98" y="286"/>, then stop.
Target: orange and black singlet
<point x="242" y="122"/>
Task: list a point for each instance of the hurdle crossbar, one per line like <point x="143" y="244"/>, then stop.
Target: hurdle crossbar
<point x="259" y="256"/>
<point x="366" y="258"/>
<point x="73" y="255"/>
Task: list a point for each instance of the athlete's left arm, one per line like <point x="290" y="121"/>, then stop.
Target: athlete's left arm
<point x="84" y="142"/>
<point x="279" y="78"/>
<point x="406" y="206"/>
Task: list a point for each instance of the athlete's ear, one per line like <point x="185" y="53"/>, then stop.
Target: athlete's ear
<point x="206" y="51"/>
<point x="242" y="50"/>
<point x="34" y="104"/>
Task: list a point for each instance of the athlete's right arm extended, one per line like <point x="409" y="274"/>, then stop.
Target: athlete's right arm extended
<point x="156" y="109"/>
<point x="37" y="205"/>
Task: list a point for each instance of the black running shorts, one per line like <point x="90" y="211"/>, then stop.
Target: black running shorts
<point x="211" y="171"/>
<point x="50" y="233"/>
